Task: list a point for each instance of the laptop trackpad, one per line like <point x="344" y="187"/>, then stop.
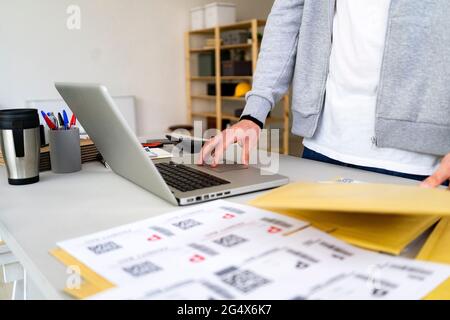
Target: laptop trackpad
<point x="227" y="168"/>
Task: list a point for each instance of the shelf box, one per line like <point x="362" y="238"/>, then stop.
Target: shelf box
<point x="219" y="14"/>
<point x="206" y="64"/>
<point x="233" y="37"/>
<point x="197" y="18"/>
<point x="227" y="89"/>
<point x="236" y="68"/>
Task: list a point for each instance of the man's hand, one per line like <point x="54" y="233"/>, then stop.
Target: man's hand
<point x="245" y="132"/>
<point x="440" y="176"/>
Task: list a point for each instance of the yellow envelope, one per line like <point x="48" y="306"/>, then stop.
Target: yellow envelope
<point x="92" y="283"/>
<point x="437" y="247"/>
<point x="440" y="293"/>
<point x="385" y="233"/>
<point x="378" y="199"/>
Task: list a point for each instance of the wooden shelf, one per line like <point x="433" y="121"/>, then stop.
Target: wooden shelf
<point x="213" y="115"/>
<point x="241" y="78"/>
<point x="234" y="78"/>
<point x="243" y="25"/>
<point x="218" y="101"/>
<point x="203" y="97"/>
<point x="224" y="47"/>
<point x="206" y="97"/>
<point x="233" y="118"/>
<point x="236" y="46"/>
<point x="236" y="26"/>
<point x="202" y="50"/>
<point x="206" y="31"/>
<point x="203" y="79"/>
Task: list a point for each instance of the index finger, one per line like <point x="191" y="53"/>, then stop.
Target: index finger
<point x="208" y="148"/>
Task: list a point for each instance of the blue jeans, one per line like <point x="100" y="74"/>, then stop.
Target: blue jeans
<point x="312" y="155"/>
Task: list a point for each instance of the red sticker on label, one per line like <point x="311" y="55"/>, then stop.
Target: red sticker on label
<point x="154" y="237"/>
<point x="273" y="230"/>
<point x="197" y="258"/>
<point x="229" y="216"/>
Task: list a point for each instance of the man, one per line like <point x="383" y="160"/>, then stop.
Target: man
<point x="370" y="80"/>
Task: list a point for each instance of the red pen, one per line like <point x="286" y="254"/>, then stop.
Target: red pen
<point x="49" y="122"/>
<point x="73" y="121"/>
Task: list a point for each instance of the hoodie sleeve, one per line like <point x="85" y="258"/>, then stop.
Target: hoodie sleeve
<point x="276" y="60"/>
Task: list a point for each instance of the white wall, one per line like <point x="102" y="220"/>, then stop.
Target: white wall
<point x="135" y="47"/>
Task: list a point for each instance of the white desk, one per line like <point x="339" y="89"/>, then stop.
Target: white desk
<point x="34" y="218"/>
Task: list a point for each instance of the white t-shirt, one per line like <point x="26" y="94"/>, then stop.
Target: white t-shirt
<point x="346" y="130"/>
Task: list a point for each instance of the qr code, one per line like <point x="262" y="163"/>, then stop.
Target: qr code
<point x="230" y="241"/>
<point x="187" y="224"/>
<point x="142" y="269"/>
<point x="242" y="280"/>
<point x="103" y="248"/>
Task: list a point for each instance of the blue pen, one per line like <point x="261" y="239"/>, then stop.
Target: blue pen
<point x="66" y="120"/>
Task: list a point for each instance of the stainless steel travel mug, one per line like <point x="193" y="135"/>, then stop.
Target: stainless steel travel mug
<point x="20" y="144"/>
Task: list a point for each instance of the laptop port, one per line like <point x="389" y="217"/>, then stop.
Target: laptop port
<point x="206" y="197"/>
<point x="190" y="200"/>
<point x="227" y="193"/>
<point x="198" y="199"/>
<point x="220" y="194"/>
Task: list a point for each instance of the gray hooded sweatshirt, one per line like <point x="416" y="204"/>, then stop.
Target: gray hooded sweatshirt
<point x="413" y="103"/>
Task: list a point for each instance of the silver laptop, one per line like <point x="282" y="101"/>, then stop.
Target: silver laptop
<point x="177" y="183"/>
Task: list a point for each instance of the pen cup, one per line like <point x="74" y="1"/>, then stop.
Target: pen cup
<point x="65" y="151"/>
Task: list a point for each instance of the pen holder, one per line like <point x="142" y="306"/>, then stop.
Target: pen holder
<point x="65" y="151"/>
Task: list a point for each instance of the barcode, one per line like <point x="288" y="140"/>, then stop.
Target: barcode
<point x="304" y="256"/>
<point x="277" y="222"/>
<point x="204" y="249"/>
<point x="163" y="231"/>
<point x="234" y="210"/>
<point x="104" y="247"/>
<point x="142" y="269"/>
<point x="336" y="249"/>
<point x="410" y="269"/>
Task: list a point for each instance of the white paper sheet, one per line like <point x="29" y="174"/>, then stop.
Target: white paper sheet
<point x="187" y="239"/>
<point x="223" y="250"/>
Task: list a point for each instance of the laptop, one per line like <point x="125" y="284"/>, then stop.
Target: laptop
<point x="179" y="184"/>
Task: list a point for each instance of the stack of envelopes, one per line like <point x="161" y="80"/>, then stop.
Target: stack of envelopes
<point x="385" y="218"/>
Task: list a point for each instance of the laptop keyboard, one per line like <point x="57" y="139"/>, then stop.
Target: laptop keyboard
<point x="186" y="179"/>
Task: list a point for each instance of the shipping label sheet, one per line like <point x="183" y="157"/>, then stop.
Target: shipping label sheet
<point x="223" y="250"/>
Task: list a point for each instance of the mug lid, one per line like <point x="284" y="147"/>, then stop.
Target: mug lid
<point x="19" y="119"/>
